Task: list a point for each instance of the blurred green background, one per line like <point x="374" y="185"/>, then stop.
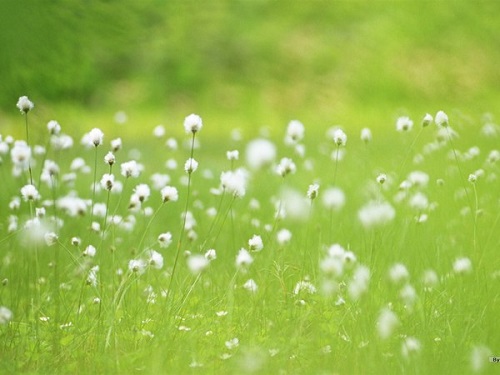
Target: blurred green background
<point x="253" y="62"/>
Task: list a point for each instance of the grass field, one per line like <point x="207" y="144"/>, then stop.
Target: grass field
<point x="338" y="252"/>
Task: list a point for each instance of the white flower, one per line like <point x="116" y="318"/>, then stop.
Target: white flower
<point x="359" y="282"/>
<point x="155" y="259"/>
<point x="21" y="154"/>
<point x="251" y="286"/>
<point x="294" y="132"/>
<point x="191" y="165"/>
<point x="197" y="263"/>
<point x="130" y="169"/>
<point x="386" y="323"/>
<point x="304" y="285"/>
<point x="89" y="251"/>
<point x="366" y="135"/>
<point x="260" y="153"/>
<point x="116" y="144"/>
<point x="472" y="178"/>
<point x="165" y="239"/>
<point x="404" y="124"/>
<point x="137" y="266"/>
<point x="243" y="259"/>
<point x="53" y="127"/>
<point x="427" y="120"/>
<point x="92" y="276"/>
<point x="376" y="213"/>
<point x="312" y="191"/>
<point x="193" y="123"/>
<point x="410" y="346"/>
<point x="381" y="178"/>
<point x="50" y="238"/>
<point x="398" y="273"/>
<point x="462" y="265"/>
<point x="107" y="181"/>
<point x="24" y="104"/>
<point x="232" y="155"/>
<point x="284" y="236"/>
<point x="255" y="243"/>
<point x="142" y="191"/>
<point x="234" y="182"/>
<point x="233" y="343"/>
<point x="159" y="131"/>
<point x="285" y="167"/>
<point x="333" y="198"/>
<point x="96" y="136"/>
<point x="169" y="194"/>
<point x="5" y="315"/>
<point x="339" y="137"/>
<point x="441" y="119"/>
<point x="30" y="193"/>
<point x="109" y="158"/>
<point x="211" y="254"/>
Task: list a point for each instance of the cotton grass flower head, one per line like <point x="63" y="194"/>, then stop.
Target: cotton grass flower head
<point x="5" y="315"/>
<point x="243" y="259"/>
<point x="154" y="259"/>
<point x="398" y="273"/>
<point x="169" y="194"/>
<point x="285" y="167"/>
<point x="234" y="182"/>
<point x="53" y="127"/>
<point x="255" y="243"/>
<point x="427" y="120"/>
<point x="366" y="135"/>
<point x="130" y="169"/>
<point x="211" y="254"/>
<point x="193" y="123"/>
<point x="387" y="322"/>
<point x="25" y="105"/>
<point x="358" y="285"/>
<point x="376" y="213"/>
<point x="165" y="239"/>
<point x="294" y="132"/>
<point x="232" y="155"/>
<point x="197" y="263"/>
<point x="410" y="346"/>
<point x="260" y="152"/>
<point x="312" y="191"/>
<point x="190" y="166"/>
<point x="404" y="124"/>
<point x="283" y="236"/>
<point x="462" y="266"/>
<point x="30" y="193"/>
<point x="478" y="356"/>
<point x="441" y="119"/>
<point x="333" y="198"/>
<point x="251" y="286"/>
<point x="95" y="137"/>
<point x="137" y="266"/>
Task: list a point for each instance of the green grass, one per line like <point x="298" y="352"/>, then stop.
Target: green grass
<point x="188" y="330"/>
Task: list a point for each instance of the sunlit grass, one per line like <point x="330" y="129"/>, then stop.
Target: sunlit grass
<point x="400" y="276"/>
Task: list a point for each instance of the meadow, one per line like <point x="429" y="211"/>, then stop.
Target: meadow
<point x="198" y="250"/>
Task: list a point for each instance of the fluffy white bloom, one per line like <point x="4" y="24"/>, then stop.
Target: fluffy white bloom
<point x="387" y="322"/>
<point x="193" y="123"/>
<point x="20" y="154"/>
<point x="410" y="346"/>
<point x="50" y="238"/>
<point x="233" y="155"/>
<point x="159" y="131"/>
<point x="107" y="181"/>
<point x="109" y="158"/>
<point x="30" y="193"/>
<point x="404" y="124"/>
<point x="339" y="137"/>
<point x="430" y="279"/>
<point x="95" y="137"/>
<point x="89" y="251"/>
<point x="24" y="104"/>
<point x="366" y="135"/>
<point x="137" y="266"/>
<point x="165" y="239"/>
<point x="441" y="119"/>
<point x="419" y="201"/>
<point x="92" y="276"/>
<point x="250" y="285"/>
<point x="169" y="194"/>
<point x="333" y="198"/>
<point x="211" y="254"/>
<point x="142" y="191"/>
<point x="294" y="132"/>
<point x="5" y="315"/>
<point x="191" y="165"/>
<point x="155" y="259"/>
<point x="472" y="178"/>
<point x="284" y="236"/>
<point x="312" y="191"/>
<point x="478" y="357"/>
<point x="427" y="120"/>
<point x="286" y="166"/>
<point x="376" y="213"/>
<point x="418" y="178"/>
<point x="304" y="286"/>
<point x="260" y="153"/>
<point x="462" y="265"/>
<point x="243" y="259"/>
<point x="359" y="282"/>
<point x="233" y="343"/>
<point x="255" y="243"/>
<point x="130" y="169"/>
<point x="381" y="178"/>
<point x="234" y="182"/>
<point x="53" y="127"/>
<point x="197" y="263"/>
<point x="398" y="273"/>
<point x="116" y="144"/>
